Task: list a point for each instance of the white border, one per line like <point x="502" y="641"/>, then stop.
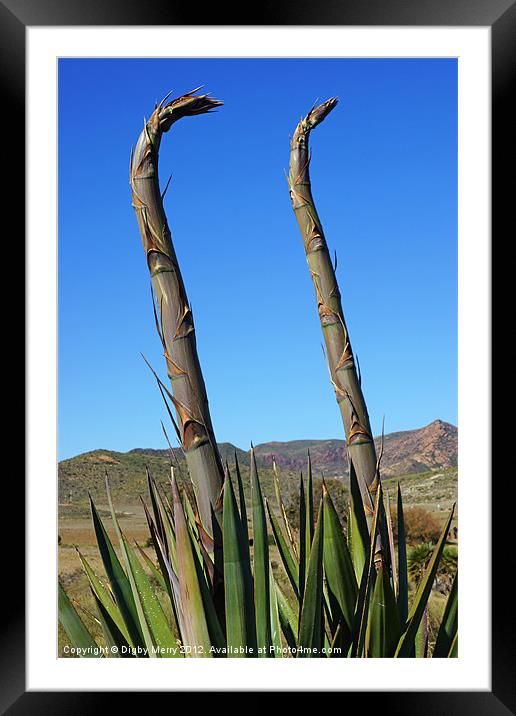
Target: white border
<point x="472" y="669"/>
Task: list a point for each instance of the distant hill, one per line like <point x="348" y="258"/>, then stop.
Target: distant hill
<point x="430" y="448"/>
<point x="433" y="447"/>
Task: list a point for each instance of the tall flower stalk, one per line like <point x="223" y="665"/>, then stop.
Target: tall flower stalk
<point x="341" y="361"/>
<point x="175" y="325"/>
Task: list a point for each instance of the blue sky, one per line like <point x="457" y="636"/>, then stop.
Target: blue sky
<point x="384" y="176"/>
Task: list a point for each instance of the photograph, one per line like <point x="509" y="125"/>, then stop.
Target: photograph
<point x="257" y="373"/>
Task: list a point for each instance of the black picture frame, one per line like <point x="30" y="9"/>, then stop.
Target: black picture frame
<point x="500" y="15"/>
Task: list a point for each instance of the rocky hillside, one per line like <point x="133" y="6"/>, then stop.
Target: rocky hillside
<point x="429" y="448"/>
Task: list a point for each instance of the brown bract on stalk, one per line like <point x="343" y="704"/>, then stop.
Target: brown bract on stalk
<point x="175" y="325"/>
<point x="341" y="362"/>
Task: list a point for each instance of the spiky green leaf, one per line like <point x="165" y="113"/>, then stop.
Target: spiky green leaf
<point x="366" y="584"/>
<point x="407" y="640"/>
<point x="274" y="618"/>
<point x="288" y="618"/>
<point x="79" y="636"/>
<point x="402" y="562"/>
<point x="197" y="636"/>
<point x="116" y="642"/>
<point x="261" y="565"/>
<point x="287" y="558"/>
<point x="238" y="586"/>
<point x="311" y="630"/>
<point x="118" y="580"/>
<point x="304" y="539"/>
<point x="383" y="628"/>
<point x="103" y="595"/>
<point x="338" y="568"/>
<point x="359" y="533"/>
<point x="157" y="634"/>
<point x="241" y="496"/>
<point x="448" y="628"/>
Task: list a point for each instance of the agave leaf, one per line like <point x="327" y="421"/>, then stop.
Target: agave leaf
<point x="288" y="618"/>
<point x="79" y="636"/>
<point x="193" y="529"/>
<point x="212" y="619"/>
<point x="390" y="535"/>
<point x="189" y="515"/>
<point x="206" y="575"/>
<point x="118" y="580"/>
<point x="261" y="565"/>
<point x="368" y="577"/>
<point x="359" y="532"/>
<point x="159" y="628"/>
<point x="169" y="542"/>
<point x="274" y="618"/>
<point x="402" y="563"/>
<point x="288" y="560"/>
<point x="383" y="628"/>
<point x="197" y="636"/>
<point x="407" y="641"/>
<point x="154" y="501"/>
<point x="158" y="576"/>
<point x="115" y="640"/>
<point x="241" y="498"/>
<point x="171" y="581"/>
<point x="243" y="509"/>
<point x="454" y="648"/>
<point x="163" y="559"/>
<point x="209" y="570"/>
<point x="349" y="535"/>
<point x="335" y="648"/>
<point x="166" y="534"/>
<point x="448" y="629"/>
<point x="304" y="539"/>
<point x="166" y="554"/>
<point x="156" y="631"/>
<point x="140" y="615"/>
<point x="104" y="597"/>
<point x="238" y="585"/>
<point x="338" y="568"/>
<point x="421" y="649"/>
<point x="310" y="519"/>
<point x="281" y="506"/>
<point x="311" y="628"/>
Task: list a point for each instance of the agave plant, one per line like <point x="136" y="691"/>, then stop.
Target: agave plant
<point x="211" y="590"/>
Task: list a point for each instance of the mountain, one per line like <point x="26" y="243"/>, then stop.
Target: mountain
<point x="432" y="447"/>
<point x="429" y="448"/>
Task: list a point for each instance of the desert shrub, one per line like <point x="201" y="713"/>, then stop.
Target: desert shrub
<point x="420" y="526"/>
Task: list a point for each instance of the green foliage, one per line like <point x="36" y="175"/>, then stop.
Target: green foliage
<point x="347" y="605"/>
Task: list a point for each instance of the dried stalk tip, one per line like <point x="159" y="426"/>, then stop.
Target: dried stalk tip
<point x="316" y="115"/>
<point x="185" y="106"/>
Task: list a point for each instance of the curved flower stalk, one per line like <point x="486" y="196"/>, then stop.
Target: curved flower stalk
<point x="342" y="366"/>
<point x="175" y="325"/>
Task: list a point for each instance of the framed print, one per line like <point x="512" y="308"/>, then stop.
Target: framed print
<point x="340" y="532"/>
